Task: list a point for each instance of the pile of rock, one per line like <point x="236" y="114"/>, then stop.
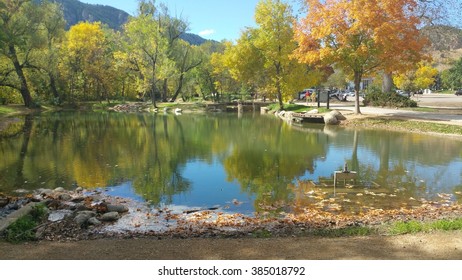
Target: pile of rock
<point x="332" y="118"/>
<point x="285" y="115"/>
<point x="133" y="108"/>
<point x="70" y="213"/>
<point x="85" y="209"/>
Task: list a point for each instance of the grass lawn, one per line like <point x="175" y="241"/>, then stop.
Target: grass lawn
<point x="4" y="110"/>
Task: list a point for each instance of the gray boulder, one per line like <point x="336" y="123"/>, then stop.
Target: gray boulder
<point x="110" y="217"/>
<point x="59" y="189"/>
<point x="87" y="212"/>
<point x="338" y="115"/>
<point x="330" y="120"/>
<point x="117" y="208"/>
<point x="82" y="218"/>
<point x="334" y="117"/>
<point x="94" y="221"/>
<point x="45" y="191"/>
<point x="65" y="197"/>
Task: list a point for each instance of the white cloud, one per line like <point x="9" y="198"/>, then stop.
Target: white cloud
<point x="206" y="32"/>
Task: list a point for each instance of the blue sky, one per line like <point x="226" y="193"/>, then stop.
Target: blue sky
<point x="211" y="19"/>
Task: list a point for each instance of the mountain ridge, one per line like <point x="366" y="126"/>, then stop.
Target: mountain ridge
<point x="76" y="11"/>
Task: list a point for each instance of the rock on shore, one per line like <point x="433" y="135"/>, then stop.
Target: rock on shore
<point x="333" y="117"/>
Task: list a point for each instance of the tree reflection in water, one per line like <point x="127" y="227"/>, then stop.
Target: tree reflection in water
<point x="253" y="163"/>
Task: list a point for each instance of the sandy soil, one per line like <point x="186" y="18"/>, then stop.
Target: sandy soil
<point x="429" y="246"/>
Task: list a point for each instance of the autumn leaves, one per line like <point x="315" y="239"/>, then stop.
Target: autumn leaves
<point x="284" y="54"/>
<point x="361" y="37"/>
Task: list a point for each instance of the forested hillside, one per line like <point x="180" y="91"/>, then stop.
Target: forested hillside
<point x="446" y="45"/>
<point x="76" y="11"/>
<point x="443" y="38"/>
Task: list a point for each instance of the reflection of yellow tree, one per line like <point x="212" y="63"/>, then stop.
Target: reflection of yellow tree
<point x="266" y="161"/>
<point x="104" y="149"/>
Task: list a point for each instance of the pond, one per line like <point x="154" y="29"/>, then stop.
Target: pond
<point x="250" y="164"/>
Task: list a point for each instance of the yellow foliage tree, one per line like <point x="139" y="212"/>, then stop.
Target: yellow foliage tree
<point x="425" y="76"/>
<point x="420" y="78"/>
<point x="359" y="37"/>
<point x="261" y="58"/>
<point x="87" y="61"/>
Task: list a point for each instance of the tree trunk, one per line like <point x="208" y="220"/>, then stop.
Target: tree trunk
<point x="178" y="89"/>
<point x="281" y="104"/>
<point x="54" y="90"/>
<point x="358" y="77"/>
<point x="278" y="85"/>
<point x="387" y="82"/>
<point x="164" y="90"/>
<point x="153" y="96"/>
<point x="24" y="89"/>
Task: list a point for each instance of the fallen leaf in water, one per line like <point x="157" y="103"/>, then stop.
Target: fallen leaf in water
<point x="444" y="195"/>
<point x="236" y="202"/>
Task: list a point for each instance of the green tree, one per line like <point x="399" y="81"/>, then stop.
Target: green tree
<point x="243" y="62"/>
<point x="146" y="49"/>
<point x="20" y="23"/>
<point x="452" y="78"/>
<point x="204" y="76"/>
<point x="186" y="58"/>
<point x="337" y="80"/>
<point x="181" y="53"/>
<point x="54" y="33"/>
<point x="222" y="73"/>
<point x="262" y="56"/>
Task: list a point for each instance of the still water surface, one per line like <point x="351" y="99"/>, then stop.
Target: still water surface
<point x="249" y="164"/>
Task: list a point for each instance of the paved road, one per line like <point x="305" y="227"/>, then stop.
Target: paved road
<point x="403" y="113"/>
<point x="449" y="108"/>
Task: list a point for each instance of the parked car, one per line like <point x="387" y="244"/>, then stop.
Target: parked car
<point x="340" y="95"/>
<point x="458" y="92"/>
<point x="403" y="93"/>
<point x="351" y="94"/>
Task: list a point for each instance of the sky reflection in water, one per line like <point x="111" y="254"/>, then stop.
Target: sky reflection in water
<point x="253" y="163"/>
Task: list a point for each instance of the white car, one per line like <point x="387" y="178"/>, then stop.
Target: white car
<point x="403" y="93"/>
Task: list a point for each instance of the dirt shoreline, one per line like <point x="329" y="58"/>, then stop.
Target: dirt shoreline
<point x="421" y="246"/>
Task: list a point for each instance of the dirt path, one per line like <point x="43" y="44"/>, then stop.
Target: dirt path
<point x="439" y="245"/>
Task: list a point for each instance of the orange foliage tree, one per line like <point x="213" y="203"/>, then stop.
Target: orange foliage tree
<point x="359" y="36"/>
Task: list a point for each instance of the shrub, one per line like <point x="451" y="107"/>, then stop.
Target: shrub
<point x="9" y="96"/>
<point x="375" y="97"/>
<point x="23" y="229"/>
